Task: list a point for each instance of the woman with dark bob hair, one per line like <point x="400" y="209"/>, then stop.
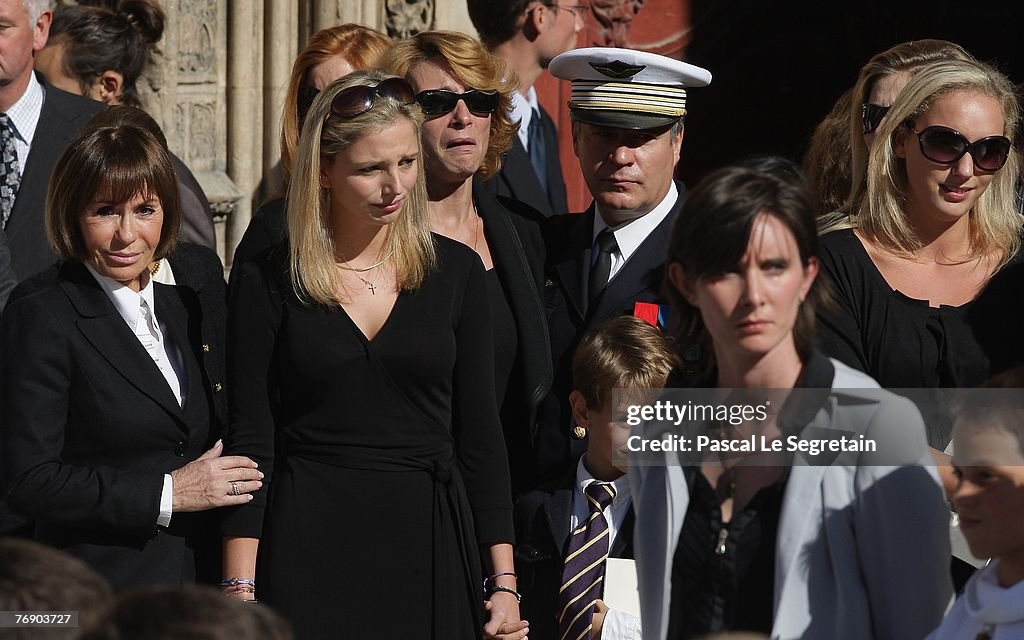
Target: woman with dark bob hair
<point x="775" y="541"/>
<point x="357" y="381"/>
<point x="109" y="434"/>
<point x="466" y="96"/>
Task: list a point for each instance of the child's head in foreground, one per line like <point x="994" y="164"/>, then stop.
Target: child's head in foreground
<point x="622" y="353"/>
<point x="988" y="460"/>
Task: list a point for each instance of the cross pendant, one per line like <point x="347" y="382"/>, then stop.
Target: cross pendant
<point x="372" y="288"/>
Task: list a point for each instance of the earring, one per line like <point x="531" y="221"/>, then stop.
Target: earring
<point x="579" y="432"/>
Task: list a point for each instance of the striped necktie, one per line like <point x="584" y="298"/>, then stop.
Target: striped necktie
<point x="10" y="178"/>
<point x="583" y="570"/>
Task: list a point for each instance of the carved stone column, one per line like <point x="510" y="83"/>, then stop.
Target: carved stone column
<point x="184" y="91"/>
<point x="328" y="13"/>
<point x="245" y="110"/>
<point x="281" y="40"/>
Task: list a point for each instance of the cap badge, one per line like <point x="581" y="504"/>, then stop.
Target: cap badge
<point x="618" y="69"/>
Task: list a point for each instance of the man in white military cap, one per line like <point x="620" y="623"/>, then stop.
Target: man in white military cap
<point x="627" y="109"/>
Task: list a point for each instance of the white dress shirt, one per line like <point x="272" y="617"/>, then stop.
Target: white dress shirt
<point x="139" y="312"/>
<point x="24" y="115"/>
<point x="618" y="625"/>
<point x="522" y="110"/>
<point x="630" y="234"/>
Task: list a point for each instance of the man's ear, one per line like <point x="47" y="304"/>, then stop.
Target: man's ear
<point x="41" y="30"/>
<point x="678" y="278"/>
<point x="534" y="20"/>
<point x="677" y="145"/>
<point x="580" y="412"/>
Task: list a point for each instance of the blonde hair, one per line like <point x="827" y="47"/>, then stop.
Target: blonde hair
<point x="360" y="46"/>
<point x="313" y="269"/>
<point x="906" y="57"/>
<point x="878" y="210"/>
<point x="624" y="352"/>
<point x="475" y="68"/>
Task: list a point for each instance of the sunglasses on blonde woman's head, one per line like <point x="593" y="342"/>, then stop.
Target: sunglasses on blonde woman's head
<point x="438" y="102"/>
<point x="943" y="145"/>
<point x="357" y="100"/>
<point x="871" y="116"/>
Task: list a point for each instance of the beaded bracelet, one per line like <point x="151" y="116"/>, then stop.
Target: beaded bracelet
<point x="496" y="588"/>
<point x="491" y="579"/>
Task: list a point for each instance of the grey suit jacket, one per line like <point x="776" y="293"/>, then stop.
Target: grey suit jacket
<point x="863" y="546"/>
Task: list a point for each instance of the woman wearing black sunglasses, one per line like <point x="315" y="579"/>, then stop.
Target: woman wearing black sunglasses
<point x="935" y="220"/>
<point x="837" y="154"/>
<point x="466" y="96"/>
<point x="357" y="352"/>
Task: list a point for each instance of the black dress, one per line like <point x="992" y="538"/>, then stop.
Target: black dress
<point x="369" y="529"/>
<point x="899" y="341"/>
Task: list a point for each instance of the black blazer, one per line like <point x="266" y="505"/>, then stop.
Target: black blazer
<point x="62" y="116"/>
<point x="89" y="427"/>
<point x="7" y="277"/>
<point x="517" y="179"/>
<point x="542" y="534"/>
<point x="517" y="249"/>
<point x="569" y="240"/>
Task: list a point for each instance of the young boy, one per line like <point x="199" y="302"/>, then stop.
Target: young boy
<point x="566" y="532"/>
<point x="988" y="461"/>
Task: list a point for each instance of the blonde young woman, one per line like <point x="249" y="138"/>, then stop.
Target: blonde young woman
<point x="933" y="221"/>
<point x="837" y="155"/>
<point x="358" y="351"/>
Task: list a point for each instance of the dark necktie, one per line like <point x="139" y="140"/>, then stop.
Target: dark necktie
<point x="602" y="267"/>
<point x="10" y="179"/>
<point x="583" y="569"/>
<point x="538" y="151"/>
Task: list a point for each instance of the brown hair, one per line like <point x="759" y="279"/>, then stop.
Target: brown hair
<point x="624" y="352"/>
<point x="126" y="160"/>
<point x="998" y="405"/>
<point x="34" y="577"/>
<point x="475" y="68"/>
<point x="169" y="613"/>
<point x="359" y="45"/>
<point x="97" y="39"/>
<point x="827" y="161"/>
<point x="711" y="235"/>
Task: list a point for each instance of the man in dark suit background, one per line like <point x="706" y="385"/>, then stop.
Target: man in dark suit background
<point x="37" y="122"/>
<point x="627" y="110"/>
<point x="527" y="35"/>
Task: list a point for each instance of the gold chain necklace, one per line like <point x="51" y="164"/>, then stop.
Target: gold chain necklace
<point x="371" y="285"/>
<point x="365" y="269"/>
